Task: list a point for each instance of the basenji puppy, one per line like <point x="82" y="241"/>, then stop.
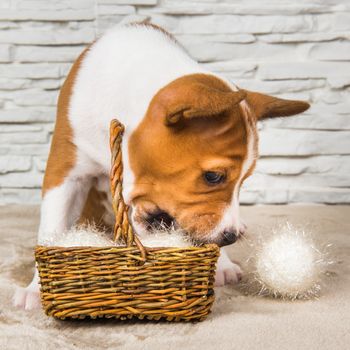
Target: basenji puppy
<point x="190" y="141"/>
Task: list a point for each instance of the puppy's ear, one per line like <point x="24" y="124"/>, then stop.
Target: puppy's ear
<point x="197" y="100"/>
<point x="266" y="106"/>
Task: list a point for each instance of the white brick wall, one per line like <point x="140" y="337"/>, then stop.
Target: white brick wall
<point x="295" y="49"/>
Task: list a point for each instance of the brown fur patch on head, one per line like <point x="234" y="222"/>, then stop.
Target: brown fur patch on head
<point x="169" y="158"/>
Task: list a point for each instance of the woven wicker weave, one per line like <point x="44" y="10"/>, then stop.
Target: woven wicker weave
<point x="126" y="281"/>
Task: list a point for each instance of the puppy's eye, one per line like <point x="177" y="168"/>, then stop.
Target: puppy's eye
<point x="214" y="178"/>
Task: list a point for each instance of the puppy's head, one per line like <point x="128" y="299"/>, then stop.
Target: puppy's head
<point x="195" y="146"/>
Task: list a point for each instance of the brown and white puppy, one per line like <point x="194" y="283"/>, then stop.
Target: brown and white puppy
<point x="190" y="141"/>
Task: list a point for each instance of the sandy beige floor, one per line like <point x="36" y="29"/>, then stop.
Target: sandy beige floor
<point x="237" y="321"/>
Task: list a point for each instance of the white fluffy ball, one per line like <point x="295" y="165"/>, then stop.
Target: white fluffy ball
<point x="288" y="264"/>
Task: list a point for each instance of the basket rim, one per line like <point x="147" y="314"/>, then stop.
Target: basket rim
<point x="212" y="246"/>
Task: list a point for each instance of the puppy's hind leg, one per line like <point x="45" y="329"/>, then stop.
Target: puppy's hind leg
<point x="66" y="182"/>
<point x="28" y="297"/>
<point x="61" y="208"/>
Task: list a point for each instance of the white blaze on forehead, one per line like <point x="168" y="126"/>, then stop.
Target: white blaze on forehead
<point x="231" y="217"/>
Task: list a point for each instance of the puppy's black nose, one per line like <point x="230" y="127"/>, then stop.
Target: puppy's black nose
<point x="159" y="219"/>
<point x="228" y="237"/>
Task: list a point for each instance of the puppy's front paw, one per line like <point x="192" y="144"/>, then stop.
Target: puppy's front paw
<point x="227" y="273"/>
<point x="27" y="298"/>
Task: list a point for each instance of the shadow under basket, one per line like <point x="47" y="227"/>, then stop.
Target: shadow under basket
<point x="176" y="284"/>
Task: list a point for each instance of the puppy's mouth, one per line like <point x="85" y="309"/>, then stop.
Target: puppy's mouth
<point x="159" y="219"/>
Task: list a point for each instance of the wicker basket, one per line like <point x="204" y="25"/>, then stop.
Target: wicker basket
<point x="128" y="281"/>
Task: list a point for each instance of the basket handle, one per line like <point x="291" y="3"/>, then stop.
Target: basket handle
<point x="122" y="228"/>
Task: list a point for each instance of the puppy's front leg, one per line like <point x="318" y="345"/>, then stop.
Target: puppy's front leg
<point x="226" y="271"/>
<point x="61" y="208"/>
